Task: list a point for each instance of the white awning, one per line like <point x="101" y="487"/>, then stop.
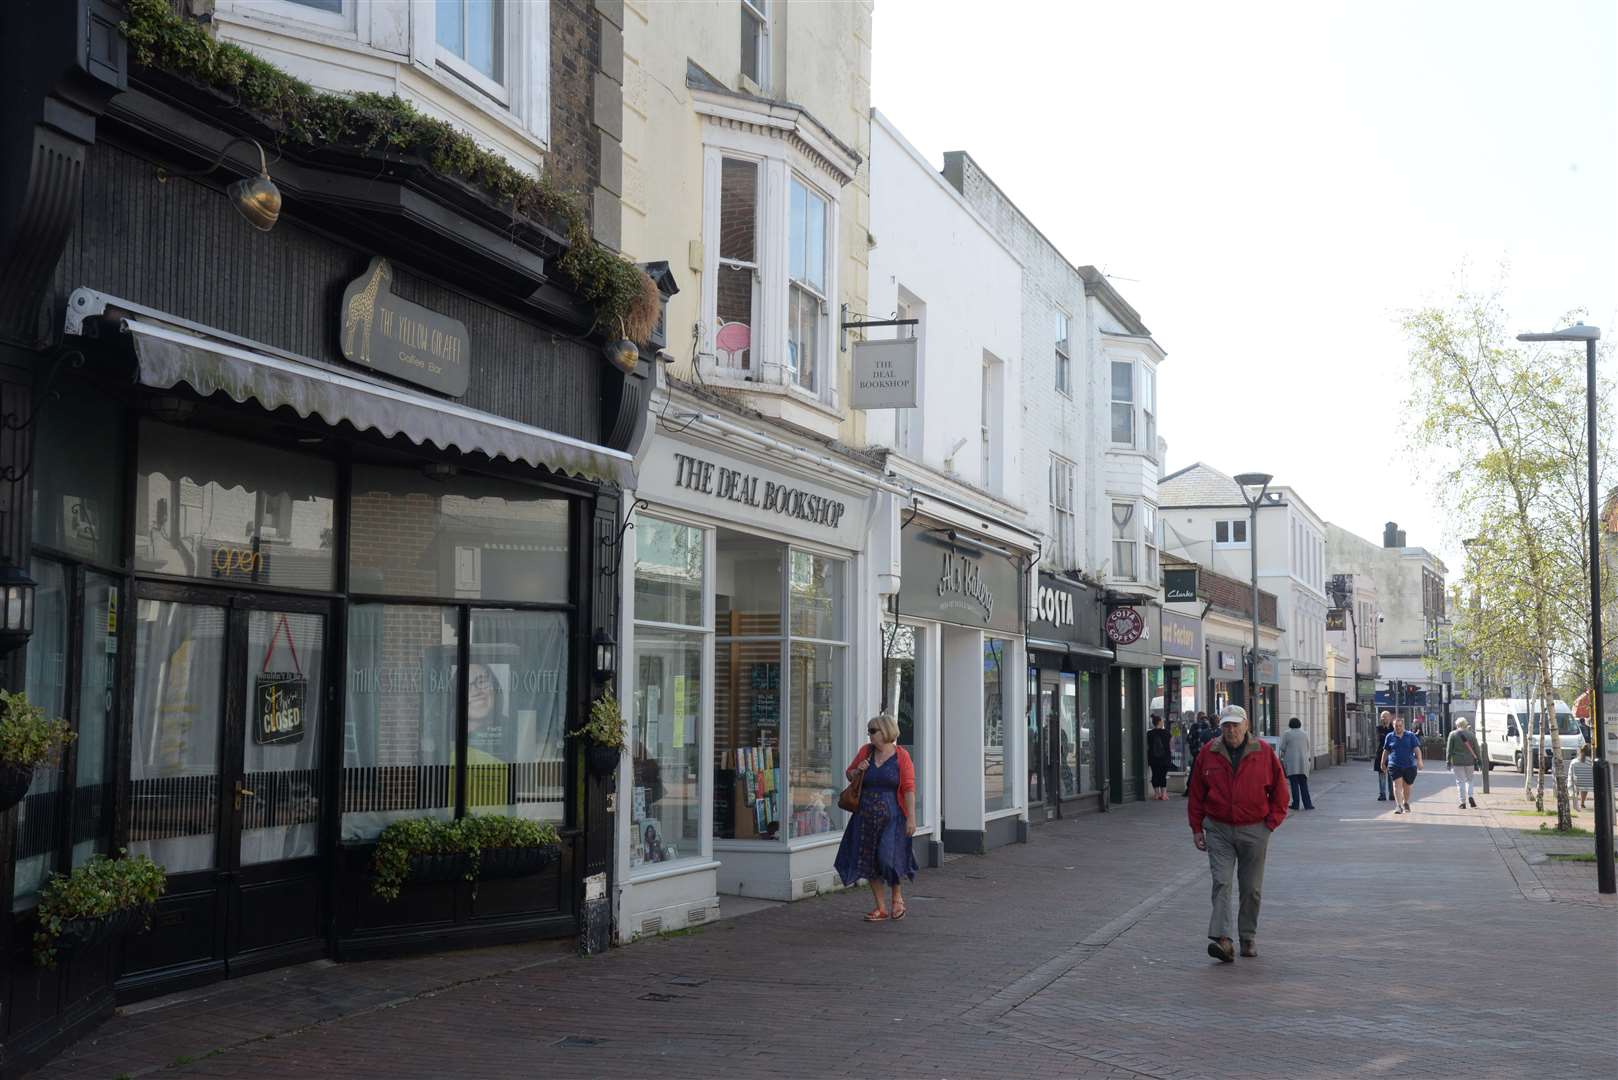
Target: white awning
<point x="167" y="357"/>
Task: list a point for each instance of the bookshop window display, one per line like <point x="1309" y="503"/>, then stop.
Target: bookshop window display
<point x="778" y="689"/>
<point x="671" y="637"/>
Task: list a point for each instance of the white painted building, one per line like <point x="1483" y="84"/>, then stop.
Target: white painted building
<point x="953" y="671"/>
<point x="1205" y="519"/>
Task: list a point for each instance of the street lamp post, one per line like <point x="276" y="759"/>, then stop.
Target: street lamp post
<point x="1603" y="774"/>
<point x="1248" y="482"/>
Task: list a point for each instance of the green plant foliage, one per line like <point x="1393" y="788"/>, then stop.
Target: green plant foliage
<point x="468" y="837"/>
<point x="27" y="737"/>
<point x="99" y="888"/>
<point x="158" y="38"/>
<point x="606" y="724"/>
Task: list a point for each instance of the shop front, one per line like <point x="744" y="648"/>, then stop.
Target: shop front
<point x="317" y="519"/>
<point x="1133" y="632"/>
<point x="1067" y="670"/>
<point x="1179" y="701"/>
<point x="961" y="610"/>
<point x="746" y="594"/>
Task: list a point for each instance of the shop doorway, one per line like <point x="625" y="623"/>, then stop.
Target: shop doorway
<point x="229" y="716"/>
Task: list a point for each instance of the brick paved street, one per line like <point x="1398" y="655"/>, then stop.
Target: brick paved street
<point x="1420" y="946"/>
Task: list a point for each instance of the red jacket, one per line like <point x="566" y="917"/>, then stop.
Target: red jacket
<point x="907" y="771"/>
<point x="1256" y="791"/>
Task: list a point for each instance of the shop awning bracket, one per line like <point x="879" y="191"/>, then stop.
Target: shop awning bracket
<point x="615" y="547"/>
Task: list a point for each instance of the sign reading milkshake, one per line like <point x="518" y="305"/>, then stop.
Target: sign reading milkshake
<point x="954" y="582"/>
<point x="710" y="481"/>
<point x="402" y="339"/>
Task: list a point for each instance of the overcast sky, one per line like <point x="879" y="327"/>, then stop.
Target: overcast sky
<point x="1270" y="184"/>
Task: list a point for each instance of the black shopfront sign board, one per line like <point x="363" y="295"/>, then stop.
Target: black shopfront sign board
<point x="396" y="337"/>
<point x="954" y="582"/>
<point x="1065" y="611"/>
<point x="1179" y="586"/>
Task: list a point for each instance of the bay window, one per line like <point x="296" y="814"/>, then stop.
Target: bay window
<point x="738" y="270"/>
<point x="1123" y="541"/>
<point x="1149" y="536"/>
<point x="806" y="268"/>
<point x="1123" y="403"/>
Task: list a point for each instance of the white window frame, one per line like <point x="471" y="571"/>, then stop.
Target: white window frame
<point x="778" y="165"/>
<point x="1151" y="532"/>
<point x="1063" y="351"/>
<point x="759" y="12"/>
<point x="1114" y="402"/>
<point x="1131" y="527"/>
<point x="1064" y="526"/>
<point x="1146" y="390"/>
<point x="722" y="263"/>
<point x="794" y="368"/>
<point x="1231" y="525"/>
<point x="405" y="33"/>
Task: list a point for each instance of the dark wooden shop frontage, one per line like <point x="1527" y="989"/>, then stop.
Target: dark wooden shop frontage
<point x="283" y="596"/>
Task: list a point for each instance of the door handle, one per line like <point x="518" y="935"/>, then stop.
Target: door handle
<point x="242" y="789"/>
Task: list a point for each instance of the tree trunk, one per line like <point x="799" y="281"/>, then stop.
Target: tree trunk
<point x="1564" y="806"/>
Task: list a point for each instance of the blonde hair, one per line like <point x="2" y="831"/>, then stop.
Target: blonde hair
<point x="887" y="725"/>
<point x="1461" y="724"/>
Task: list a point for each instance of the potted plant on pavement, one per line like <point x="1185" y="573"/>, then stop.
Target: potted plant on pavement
<point x="605" y="731"/>
<point x="101" y="899"/>
<point x="28" y="739"/>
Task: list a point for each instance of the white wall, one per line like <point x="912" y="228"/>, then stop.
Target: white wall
<point x="936" y="252"/>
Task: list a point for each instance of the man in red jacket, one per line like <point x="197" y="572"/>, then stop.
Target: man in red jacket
<point x="1238" y="798"/>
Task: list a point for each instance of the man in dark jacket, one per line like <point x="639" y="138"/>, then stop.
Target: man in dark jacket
<point x="1195" y="739"/>
<point x="1238" y="798"/>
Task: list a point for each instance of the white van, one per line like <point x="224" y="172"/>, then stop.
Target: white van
<point x="1512" y="735"/>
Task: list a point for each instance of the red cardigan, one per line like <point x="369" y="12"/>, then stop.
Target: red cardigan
<point x="907" y="771"/>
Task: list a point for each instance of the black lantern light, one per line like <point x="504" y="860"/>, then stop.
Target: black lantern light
<point x="606" y="655"/>
<point x="16" y="607"/>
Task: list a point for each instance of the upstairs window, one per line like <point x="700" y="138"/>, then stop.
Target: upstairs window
<point x="1148" y="409"/>
<point x="1063" y="527"/>
<point x="738" y="262"/>
<point x="1232" y="533"/>
<point x="756" y="41"/>
<point x="806" y="301"/>
<point x="1123" y="541"/>
<point x="472" y="42"/>
<point x="1123" y="403"/>
<point x="1149" y="537"/>
<point x="1064" y="356"/>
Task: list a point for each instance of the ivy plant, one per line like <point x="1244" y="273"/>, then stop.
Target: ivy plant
<point x="605" y="727"/>
<point x="469" y="837"/>
<point x="100" y="888"/>
<point x="615" y="287"/>
<point x="29" y="738"/>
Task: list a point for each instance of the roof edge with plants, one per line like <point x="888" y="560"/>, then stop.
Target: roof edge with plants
<point x="622" y="296"/>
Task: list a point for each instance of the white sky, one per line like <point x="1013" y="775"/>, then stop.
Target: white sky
<point x="1268" y="184"/>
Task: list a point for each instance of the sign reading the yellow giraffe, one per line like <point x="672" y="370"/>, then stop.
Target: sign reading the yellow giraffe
<point x="402" y="339"/>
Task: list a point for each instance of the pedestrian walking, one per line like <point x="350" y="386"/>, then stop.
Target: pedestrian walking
<point x="1402" y="753"/>
<point x="1581" y="775"/>
<point x="876" y="841"/>
<point x="1159" y="756"/>
<point x="1462" y="756"/>
<point x="1238" y="798"/>
<point x="1195" y="740"/>
<point x="1295" y="760"/>
<point x="1384" y="782"/>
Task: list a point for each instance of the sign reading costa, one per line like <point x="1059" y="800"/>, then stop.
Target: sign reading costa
<point x="1124" y="626"/>
<point x="1055" y="607"/>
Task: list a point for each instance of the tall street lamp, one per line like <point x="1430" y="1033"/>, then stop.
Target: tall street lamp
<point x="1254" y="485"/>
<point x="1603" y="774"/>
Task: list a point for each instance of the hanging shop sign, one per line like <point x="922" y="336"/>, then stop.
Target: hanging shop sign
<point x="1336" y="619"/>
<point x="1182" y="636"/>
<point x="279" y="696"/>
<point x="396" y="337"/>
<point x="710" y="481"/>
<point x="885" y="374"/>
<point x="953" y="582"/>
<point x="1227" y="661"/>
<point x="1180" y="586"/>
<point x="1124" y="625"/>
<point x="1065" y="611"/>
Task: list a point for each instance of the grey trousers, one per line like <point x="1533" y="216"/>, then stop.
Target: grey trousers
<point x="1236" y="851"/>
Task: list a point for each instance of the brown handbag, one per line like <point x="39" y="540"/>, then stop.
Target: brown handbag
<point x="850" y="798"/>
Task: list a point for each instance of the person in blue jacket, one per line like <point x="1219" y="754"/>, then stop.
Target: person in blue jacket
<point x="1401" y="753"/>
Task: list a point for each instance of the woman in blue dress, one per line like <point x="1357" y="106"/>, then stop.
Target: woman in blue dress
<point x="876" y="842"/>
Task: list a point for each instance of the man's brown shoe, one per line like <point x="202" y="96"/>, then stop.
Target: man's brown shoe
<point x="1222" y="950"/>
<point x="1249" y="949"/>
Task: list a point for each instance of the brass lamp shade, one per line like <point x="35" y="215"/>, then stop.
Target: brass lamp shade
<point x="623" y="353"/>
<point x="258" y="200"/>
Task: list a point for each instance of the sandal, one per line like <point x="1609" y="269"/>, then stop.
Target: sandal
<point x="876" y="916"/>
<point x="898" y="910"/>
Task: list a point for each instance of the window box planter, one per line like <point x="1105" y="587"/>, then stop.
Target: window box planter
<point x="437" y="866"/>
<point x="14" y="781"/>
<point x="475" y="847"/>
<point x="79" y="934"/>
<point x="515" y="862"/>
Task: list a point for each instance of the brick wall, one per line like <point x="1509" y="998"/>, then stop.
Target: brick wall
<point x="587" y="104"/>
<point x="1235" y="597"/>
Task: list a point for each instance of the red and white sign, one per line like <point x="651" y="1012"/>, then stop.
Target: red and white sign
<point x="1124" y="626"/>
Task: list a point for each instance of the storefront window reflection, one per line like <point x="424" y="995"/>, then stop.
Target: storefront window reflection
<point x="901" y="652"/>
<point x="1070" y="751"/>
<point x="46" y="687"/>
<point x="516" y="708"/>
<point x="996" y="785"/>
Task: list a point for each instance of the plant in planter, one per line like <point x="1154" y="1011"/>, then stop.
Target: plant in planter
<point x="102" y="898"/>
<point x="27" y="740"/>
<point x="479" y="846"/>
<point x="606" y="732"/>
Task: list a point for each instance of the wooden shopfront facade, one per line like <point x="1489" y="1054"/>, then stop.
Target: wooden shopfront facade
<point x="285" y="597"/>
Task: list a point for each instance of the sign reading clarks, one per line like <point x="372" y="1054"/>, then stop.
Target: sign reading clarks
<point x="402" y="339"/>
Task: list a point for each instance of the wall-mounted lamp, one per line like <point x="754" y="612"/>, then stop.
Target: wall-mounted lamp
<point x="623" y="354"/>
<point x="256" y="198"/>
<point x="606" y="658"/>
<point x="16" y="607"/>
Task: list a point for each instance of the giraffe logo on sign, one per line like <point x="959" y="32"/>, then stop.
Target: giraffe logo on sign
<point x="362" y="310"/>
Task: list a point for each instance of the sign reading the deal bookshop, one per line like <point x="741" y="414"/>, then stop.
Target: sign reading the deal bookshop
<point x="885" y="374"/>
<point x="710" y="481"/>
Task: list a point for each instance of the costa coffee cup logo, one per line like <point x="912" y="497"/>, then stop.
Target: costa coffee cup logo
<point x="1124" y="626"/>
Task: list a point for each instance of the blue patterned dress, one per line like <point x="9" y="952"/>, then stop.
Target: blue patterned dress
<point x="874" y="845"/>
